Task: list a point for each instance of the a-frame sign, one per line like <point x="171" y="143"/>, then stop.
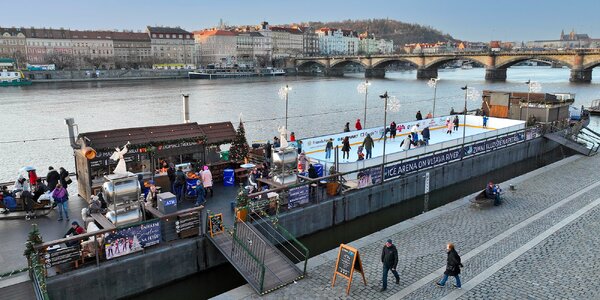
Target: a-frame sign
<point x="348" y="261"/>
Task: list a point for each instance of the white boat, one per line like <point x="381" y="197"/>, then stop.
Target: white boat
<point x="466" y="67"/>
<point x="13" y="78"/>
<point x="221" y="73"/>
<point x="271" y="72"/>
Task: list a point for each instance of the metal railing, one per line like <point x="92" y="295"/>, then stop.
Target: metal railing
<point x="38" y="275"/>
<point x="248" y="252"/>
<point x="91" y="246"/>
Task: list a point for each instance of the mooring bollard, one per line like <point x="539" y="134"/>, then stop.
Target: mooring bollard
<point x="511" y="187"/>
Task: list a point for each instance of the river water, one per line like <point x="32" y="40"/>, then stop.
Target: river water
<point x="316" y="106"/>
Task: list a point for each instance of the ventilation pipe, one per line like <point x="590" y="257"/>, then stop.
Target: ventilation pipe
<point x="186" y="108"/>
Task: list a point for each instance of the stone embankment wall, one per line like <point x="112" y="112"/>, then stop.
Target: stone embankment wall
<point x="99" y="75"/>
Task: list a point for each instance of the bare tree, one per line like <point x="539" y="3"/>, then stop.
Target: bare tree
<point x="60" y="60"/>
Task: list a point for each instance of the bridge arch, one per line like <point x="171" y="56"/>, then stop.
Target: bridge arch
<point x="382" y="64"/>
<point x="437" y="62"/>
<point x="345" y="62"/>
<point x="309" y="63"/>
<point x="513" y="61"/>
<point x="591" y="65"/>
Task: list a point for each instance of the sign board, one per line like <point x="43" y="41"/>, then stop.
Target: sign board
<point x="62" y="255"/>
<point x="348" y="261"/>
<point x="188" y="225"/>
<point x="215" y="224"/>
<point x="132" y="239"/>
<point x="298" y="196"/>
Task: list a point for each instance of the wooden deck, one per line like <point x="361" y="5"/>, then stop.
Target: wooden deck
<point x="279" y="270"/>
<point x="19" y="291"/>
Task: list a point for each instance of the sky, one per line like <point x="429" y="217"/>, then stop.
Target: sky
<point x="472" y="20"/>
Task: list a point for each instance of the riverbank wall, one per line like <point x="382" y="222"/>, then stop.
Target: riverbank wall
<point x="135" y="274"/>
<point x="103" y="75"/>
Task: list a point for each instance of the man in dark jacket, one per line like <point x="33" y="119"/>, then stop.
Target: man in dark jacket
<point x="389" y="258"/>
<point x="179" y="184"/>
<point x="453" y="266"/>
<point x="368" y="144"/>
<point x="65" y="179"/>
<point x="426" y="135"/>
<point x="419" y="116"/>
<point x="52" y="178"/>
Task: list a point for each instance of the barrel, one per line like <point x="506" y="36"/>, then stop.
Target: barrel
<point x="228" y="177"/>
<point x="319" y="169"/>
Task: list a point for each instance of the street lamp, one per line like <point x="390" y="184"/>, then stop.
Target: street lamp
<point x="283" y="94"/>
<point x="533" y="87"/>
<point x="394" y="106"/>
<point x="471" y="94"/>
<point x="363" y="88"/>
<point x="432" y="83"/>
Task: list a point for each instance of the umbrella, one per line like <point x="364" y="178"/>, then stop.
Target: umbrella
<point x="27" y="169"/>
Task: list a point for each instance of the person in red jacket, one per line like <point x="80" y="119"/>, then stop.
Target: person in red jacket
<point x="358" y="125"/>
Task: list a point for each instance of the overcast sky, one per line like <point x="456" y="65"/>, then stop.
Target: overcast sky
<point x="474" y="20"/>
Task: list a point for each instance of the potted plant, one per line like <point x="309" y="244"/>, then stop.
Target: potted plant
<point x="241" y="210"/>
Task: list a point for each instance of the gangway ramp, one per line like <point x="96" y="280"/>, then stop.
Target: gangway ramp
<point x="264" y="266"/>
<point x="561" y="139"/>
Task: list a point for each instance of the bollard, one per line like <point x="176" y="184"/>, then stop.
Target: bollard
<point x="511" y="187"/>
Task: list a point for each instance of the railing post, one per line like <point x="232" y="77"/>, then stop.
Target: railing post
<point x="96" y="247"/>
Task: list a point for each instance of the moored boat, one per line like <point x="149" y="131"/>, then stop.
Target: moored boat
<point x="13" y="78"/>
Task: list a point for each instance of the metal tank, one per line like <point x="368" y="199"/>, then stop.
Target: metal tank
<point x="284" y="159"/>
<point x="122" y="193"/>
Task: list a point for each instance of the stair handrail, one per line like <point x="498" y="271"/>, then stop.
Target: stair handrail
<point x="262" y="223"/>
<point x="293" y="238"/>
<point x="260" y="263"/>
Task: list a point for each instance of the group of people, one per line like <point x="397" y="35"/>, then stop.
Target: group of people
<point x="31" y="188"/>
<point x="389" y="259"/>
<point x="178" y="180"/>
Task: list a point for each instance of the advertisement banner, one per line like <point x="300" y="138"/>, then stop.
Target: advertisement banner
<point x="493" y="144"/>
<point x="132" y="239"/>
<point x="298" y="196"/>
<point x="416" y="164"/>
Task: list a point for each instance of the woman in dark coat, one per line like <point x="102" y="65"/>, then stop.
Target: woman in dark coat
<point x="346" y="148"/>
<point x="453" y="266"/>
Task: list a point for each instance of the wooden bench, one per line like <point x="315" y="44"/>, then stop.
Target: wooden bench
<point x="241" y="174"/>
<point x="103" y="221"/>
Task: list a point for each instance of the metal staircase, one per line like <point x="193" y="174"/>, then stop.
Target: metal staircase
<point x="264" y="261"/>
<point x="580" y="139"/>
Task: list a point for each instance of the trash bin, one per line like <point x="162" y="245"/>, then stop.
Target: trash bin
<point x="228" y="177"/>
<point x="319" y="169"/>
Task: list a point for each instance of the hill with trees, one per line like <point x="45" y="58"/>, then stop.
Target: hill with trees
<point x="401" y="33"/>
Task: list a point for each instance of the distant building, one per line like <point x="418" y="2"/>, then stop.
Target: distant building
<point x="13" y="44"/>
<point x="93" y="49"/>
<point x="171" y="45"/>
<point x="287" y="42"/>
<point x="566" y="41"/>
<point x="253" y="48"/>
<point x="216" y="47"/>
<point x="132" y="49"/>
<point x="310" y="41"/>
<point x="338" y="42"/>
<point x="369" y="45"/>
<point x="44" y="43"/>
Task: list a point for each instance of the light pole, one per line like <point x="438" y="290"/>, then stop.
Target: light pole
<point x="394" y="106"/>
<point x="533" y="87"/>
<point x="363" y="88"/>
<point x="283" y="94"/>
<point x="432" y="83"/>
<point x="472" y="94"/>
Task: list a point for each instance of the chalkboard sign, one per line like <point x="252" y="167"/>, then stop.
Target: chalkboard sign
<point x="215" y="224"/>
<point x="298" y="196"/>
<point x="348" y="261"/>
<point x="187" y="225"/>
<point x="61" y="256"/>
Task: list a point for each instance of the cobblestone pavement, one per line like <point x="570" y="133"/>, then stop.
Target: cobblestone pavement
<point x="560" y="266"/>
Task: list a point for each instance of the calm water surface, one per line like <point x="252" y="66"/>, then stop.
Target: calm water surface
<point x="316" y="106"/>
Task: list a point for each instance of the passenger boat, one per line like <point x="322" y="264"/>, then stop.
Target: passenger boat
<point x="13" y="78"/>
<point x="594" y="109"/>
<point x="221" y="73"/>
<point x="271" y="72"/>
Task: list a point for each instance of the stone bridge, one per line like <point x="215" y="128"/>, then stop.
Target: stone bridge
<point x="581" y="63"/>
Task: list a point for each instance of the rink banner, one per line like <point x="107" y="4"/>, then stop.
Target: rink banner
<point x="132" y="239"/>
<point x="494" y="144"/>
<point x="432" y="160"/>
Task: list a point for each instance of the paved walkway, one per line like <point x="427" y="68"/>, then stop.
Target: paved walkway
<point x="540" y="244"/>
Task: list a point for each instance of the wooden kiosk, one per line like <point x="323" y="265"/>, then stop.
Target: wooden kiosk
<point x="179" y="143"/>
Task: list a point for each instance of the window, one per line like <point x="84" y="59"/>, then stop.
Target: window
<point x="181" y="36"/>
<point x="168" y="36"/>
<point x="160" y="35"/>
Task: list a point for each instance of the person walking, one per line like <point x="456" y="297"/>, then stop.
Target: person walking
<point x="414" y="132"/>
<point x="419" y="116"/>
<point x="328" y="148"/>
<point x="60" y="196"/>
<point x="448" y="126"/>
<point x="485" y="120"/>
<point x="65" y="179"/>
<point x="358" y="126"/>
<point x="455" y="121"/>
<point x="389" y="258"/>
<point x="368" y="144"/>
<point x="346" y="148"/>
<point x="179" y="185"/>
<point x="426" y="135"/>
<point x="393" y="130"/>
<point x="347" y="127"/>
<point x="268" y="149"/>
<point x="292" y="137"/>
<point x="453" y="266"/>
<point x="52" y="178"/>
<point x="207" y="181"/>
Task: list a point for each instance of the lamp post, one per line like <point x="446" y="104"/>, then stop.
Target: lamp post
<point x="283" y="94"/>
<point x="472" y="94"/>
<point x="363" y="88"/>
<point x="533" y="87"/>
<point x="432" y="83"/>
<point x="394" y="106"/>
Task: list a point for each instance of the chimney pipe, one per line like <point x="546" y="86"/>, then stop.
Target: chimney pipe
<point x="186" y="108"/>
<point x="70" y="122"/>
